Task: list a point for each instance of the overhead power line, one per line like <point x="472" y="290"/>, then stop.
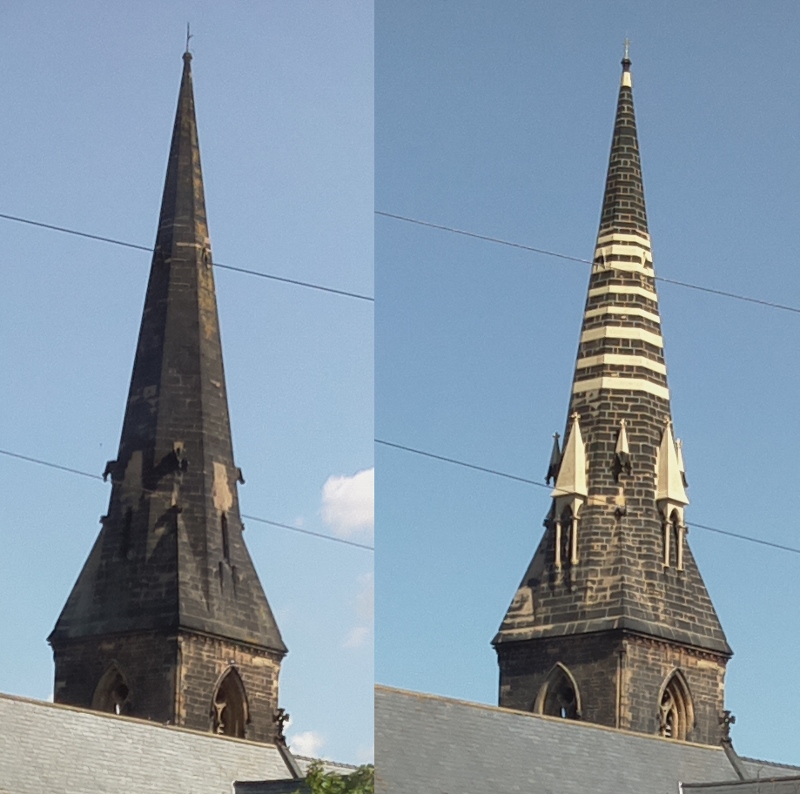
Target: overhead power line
<point x="538" y="484"/>
<point x="309" y="532"/>
<point x="16" y="455"/>
<point x="92" y="476"/>
<point x="580" y="260"/>
<point x="137" y="247"/>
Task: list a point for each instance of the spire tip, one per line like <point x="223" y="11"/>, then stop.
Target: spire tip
<point x="187" y="56"/>
<point x="626" y="65"/>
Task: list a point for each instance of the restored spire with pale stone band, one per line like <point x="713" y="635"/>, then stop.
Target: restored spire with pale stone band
<point x="613" y="564"/>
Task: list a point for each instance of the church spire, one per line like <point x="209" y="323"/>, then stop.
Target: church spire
<point x="169" y="588"/>
<point x="623" y="201"/>
<point x="625" y="587"/>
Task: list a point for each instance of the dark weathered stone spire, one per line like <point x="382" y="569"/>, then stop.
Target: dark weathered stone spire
<point x="613" y="593"/>
<point x="170" y="570"/>
<point x="623" y="201"/>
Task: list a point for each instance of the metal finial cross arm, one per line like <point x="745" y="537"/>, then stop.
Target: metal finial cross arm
<point x="188" y="36"/>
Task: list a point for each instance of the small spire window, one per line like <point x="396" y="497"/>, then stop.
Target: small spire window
<point x="125" y="536"/>
<point x="226" y="540"/>
<point x="566" y="539"/>
<point x="674" y="541"/>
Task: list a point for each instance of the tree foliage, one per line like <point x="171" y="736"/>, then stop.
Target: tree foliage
<point x="362" y="781"/>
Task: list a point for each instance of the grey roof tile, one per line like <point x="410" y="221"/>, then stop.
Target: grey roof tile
<point x="775" y="785"/>
<point x="437" y="745"/>
<point x="55" y="748"/>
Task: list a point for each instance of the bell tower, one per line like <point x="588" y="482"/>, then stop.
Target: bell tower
<point x="612" y="622"/>
<point x="168" y="620"/>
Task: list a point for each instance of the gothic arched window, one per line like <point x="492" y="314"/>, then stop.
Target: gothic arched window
<point x="112" y="693"/>
<point x="559" y="696"/>
<point x="674" y="539"/>
<point x="229" y="713"/>
<point x="675" y="710"/>
<point x="566" y="538"/>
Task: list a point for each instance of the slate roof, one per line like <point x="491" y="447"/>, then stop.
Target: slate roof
<point x="757" y="769"/>
<point x="46" y="747"/>
<point x="272" y="787"/>
<point x="426" y="743"/>
<point x="775" y="785"/>
<point x="291" y="786"/>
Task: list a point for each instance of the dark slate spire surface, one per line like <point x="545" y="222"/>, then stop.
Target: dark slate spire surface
<point x="621" y="573"/>
<point x="623" y="200"/>
<point x="170" y="554"/>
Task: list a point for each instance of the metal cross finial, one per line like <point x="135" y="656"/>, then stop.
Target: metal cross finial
<point x="627" y="45"/>
<point x="726" y="719"/>
<point x="188" y="36"/>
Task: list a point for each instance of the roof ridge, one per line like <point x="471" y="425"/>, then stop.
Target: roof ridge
<point x="545" y="717"/>
<point x="126" y="718"/>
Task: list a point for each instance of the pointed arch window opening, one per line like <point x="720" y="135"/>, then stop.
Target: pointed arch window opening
<point x="559" y="696"/>
<point x="678" y="532"/>
<point x="125" y="537"/>
<point x="566" y="539"/>
<point x="674" y="541"/>
<point x="229" y="709"/>
<point x="226" y="540"/>
<point x="112" y="694"/>
<point x="675" y="711"/>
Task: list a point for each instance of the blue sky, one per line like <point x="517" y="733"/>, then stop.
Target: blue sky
<point x="284" y="94"/>
<point x="497" y="119"/>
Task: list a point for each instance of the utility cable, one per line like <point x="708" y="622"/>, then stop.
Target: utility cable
<point x="580" y="260"/>
<point x="137" y="247"/>
<point x="538" y="484"/>
<point x="309" y="532"/>
<point x="89" y="474"/>
<point x="440" y="227"/>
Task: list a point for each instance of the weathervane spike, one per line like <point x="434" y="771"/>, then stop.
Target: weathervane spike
<point x="627" y="45"/>
<point x="188" y="36"/>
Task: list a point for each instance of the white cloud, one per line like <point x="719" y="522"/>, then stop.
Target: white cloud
<point x="365" y="600"/>
<point x="356" y="637"/>
<point x="348" y="503"/>
<point x="306" y="743"/>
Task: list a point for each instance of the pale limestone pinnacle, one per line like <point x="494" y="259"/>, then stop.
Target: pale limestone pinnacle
<point x="571" y="480"/>
<point x="670" y="490"/>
